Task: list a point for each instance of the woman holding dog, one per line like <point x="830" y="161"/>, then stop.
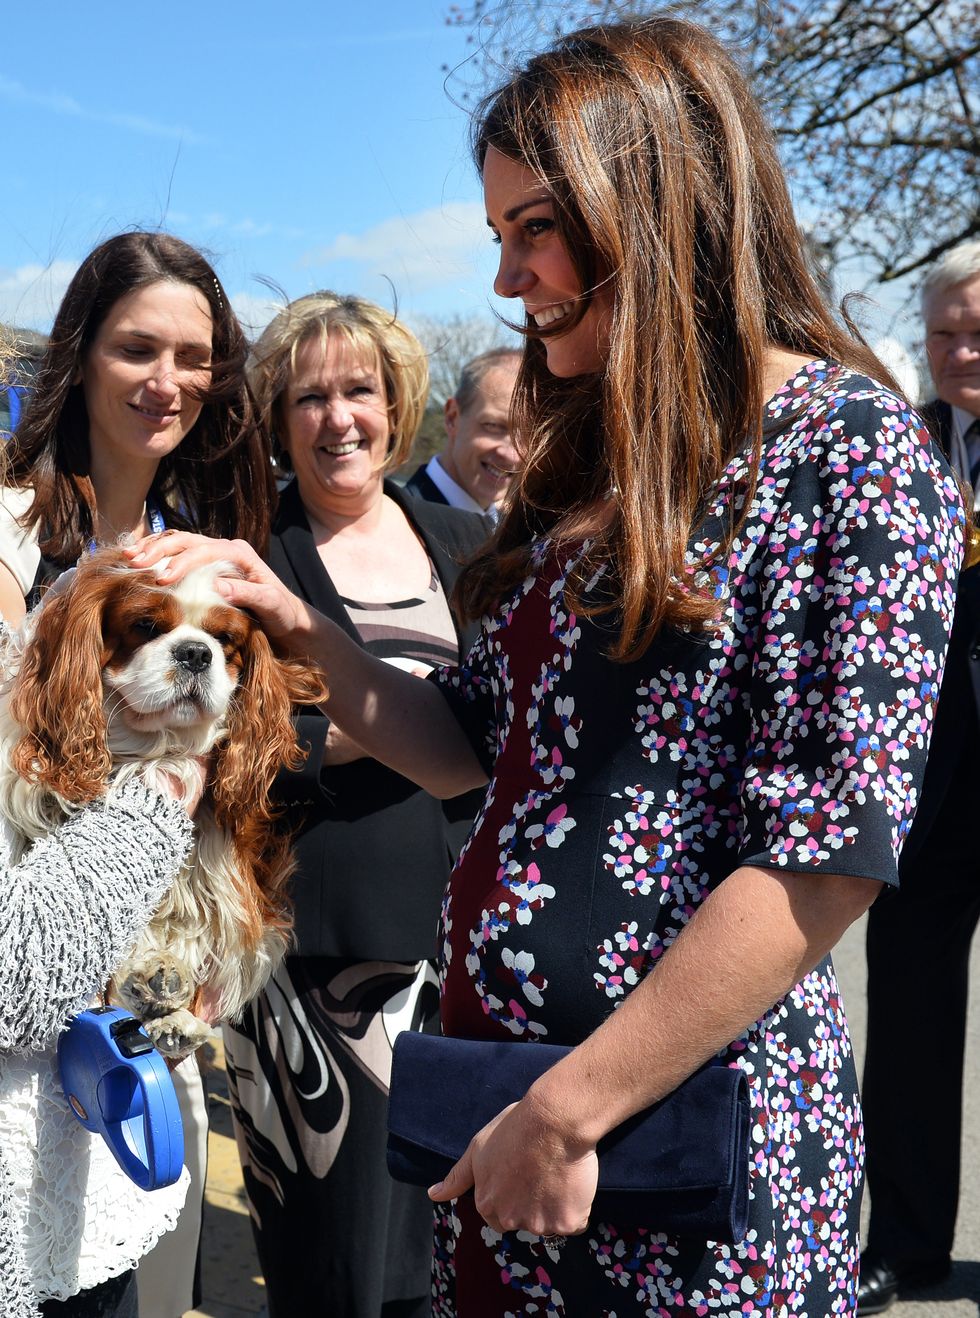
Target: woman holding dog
<point x="341" y="384"/>
<point x="139" y="419"/>
<point x="69" y="912"/>
<point x="714" y="619"/>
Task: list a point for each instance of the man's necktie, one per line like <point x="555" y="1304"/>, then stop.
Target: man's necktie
<point x="971" y="441"/>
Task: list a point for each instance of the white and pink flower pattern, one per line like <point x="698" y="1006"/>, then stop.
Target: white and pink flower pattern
<point x="794" y="737"/>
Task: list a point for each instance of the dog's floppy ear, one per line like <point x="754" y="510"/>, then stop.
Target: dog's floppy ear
<point x="261" y="740"/>
<point x="261" y="737"/>
<point x="56" y="696"/>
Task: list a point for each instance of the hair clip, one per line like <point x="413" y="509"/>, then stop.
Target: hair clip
<point x="217" y="290"/>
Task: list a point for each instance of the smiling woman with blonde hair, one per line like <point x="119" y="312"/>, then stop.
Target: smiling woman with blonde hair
<point x="342" y="384"/>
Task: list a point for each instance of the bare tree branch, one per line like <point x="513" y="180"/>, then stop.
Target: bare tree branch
<point x="923" y="75"/>
<point x="876" y="104"/>
<point x="933" y="254"/>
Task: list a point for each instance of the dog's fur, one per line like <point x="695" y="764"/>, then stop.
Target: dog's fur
<point x="115" y="675"/>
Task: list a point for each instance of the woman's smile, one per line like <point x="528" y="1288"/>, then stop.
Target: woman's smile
<point x="550" y="315"/>
<point x="342" y="450"/>
<point x="336" y="428"/>
<point x="535" y="266"/>
<point x="155" y="415"/>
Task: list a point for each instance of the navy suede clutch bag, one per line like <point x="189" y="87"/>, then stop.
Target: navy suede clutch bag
<point x="681" y="1166"/>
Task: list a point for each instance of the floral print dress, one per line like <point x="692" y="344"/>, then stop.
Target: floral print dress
<point x="793" y="737"/>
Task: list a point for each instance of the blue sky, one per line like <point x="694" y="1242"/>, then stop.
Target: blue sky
<point x="310" y="144"/>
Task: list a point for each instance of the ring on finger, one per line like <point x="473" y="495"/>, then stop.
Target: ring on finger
<point x="555" y="1242"/>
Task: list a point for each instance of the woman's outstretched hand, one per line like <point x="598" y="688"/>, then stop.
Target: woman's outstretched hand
<point x="390" y="715"/>
<point x="176" y="553"/>
<point x="525" y="1175"/>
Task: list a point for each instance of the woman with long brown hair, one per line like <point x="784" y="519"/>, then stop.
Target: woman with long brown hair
<point x="139" y="419"/>
<point x="714" y="622"/>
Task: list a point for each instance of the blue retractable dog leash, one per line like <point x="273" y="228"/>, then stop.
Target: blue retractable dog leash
<point x="119" y="1087"/>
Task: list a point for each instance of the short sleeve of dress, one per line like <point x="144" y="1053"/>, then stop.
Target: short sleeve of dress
<point x="19" y="552"/>
<point x="469" y="690"/>
<point x="857" y="583"/>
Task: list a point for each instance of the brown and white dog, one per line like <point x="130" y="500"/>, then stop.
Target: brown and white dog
<point x="115" y="675"/>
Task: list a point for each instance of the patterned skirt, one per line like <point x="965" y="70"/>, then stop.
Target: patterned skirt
<point x="308" y="1071"/>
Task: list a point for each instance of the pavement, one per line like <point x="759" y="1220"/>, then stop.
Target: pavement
<point x="232" y="1281"/>
<point x="959" y="1296"/>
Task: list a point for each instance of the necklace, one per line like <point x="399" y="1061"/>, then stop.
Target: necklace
<point x="152" y="514"/>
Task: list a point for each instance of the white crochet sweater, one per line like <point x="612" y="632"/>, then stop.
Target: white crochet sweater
<point x="69" y="912"/>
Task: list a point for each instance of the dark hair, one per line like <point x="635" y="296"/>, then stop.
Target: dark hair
<point x="667" y="188"/>
<point x="218" y="480"/>
<point x="473" y="373"/>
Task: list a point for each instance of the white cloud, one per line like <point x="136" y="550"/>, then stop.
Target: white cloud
<point x="31" y="294"/>
<point x="56" y="103"/>
<point x="430" y="248"/>
<point x="248" y="228"/>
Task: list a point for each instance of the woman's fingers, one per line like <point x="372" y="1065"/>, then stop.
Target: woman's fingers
<point x="283" y="615"/>
<point x="176" y="553"/>
<point x="185" y="551"/>
<point x="523" y="1179"/>
<point x="458" y="1180"/>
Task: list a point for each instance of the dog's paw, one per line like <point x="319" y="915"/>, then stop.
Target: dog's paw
<point x="155" y="987"/>
<point x="178" y="1034"/>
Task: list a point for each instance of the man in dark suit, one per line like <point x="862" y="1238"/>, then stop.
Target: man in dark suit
<point x="919" y="938"/>
<point x="475" y="469"/>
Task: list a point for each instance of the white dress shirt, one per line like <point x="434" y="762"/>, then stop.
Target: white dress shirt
<point x="454" y="494"/>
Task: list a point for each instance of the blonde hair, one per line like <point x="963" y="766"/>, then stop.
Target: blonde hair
<point x="368" y="328"/>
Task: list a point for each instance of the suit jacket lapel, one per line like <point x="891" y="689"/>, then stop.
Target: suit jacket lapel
<point x="427" y="488"/>
<point x="297" y="557"/>
<point x="444" y="565"/>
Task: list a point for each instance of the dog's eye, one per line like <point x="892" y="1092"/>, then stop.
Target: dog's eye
<point x="224" y="639"/>
<point x="147" y="627"/>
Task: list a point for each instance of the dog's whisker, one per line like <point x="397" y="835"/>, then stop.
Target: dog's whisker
<point x="113" y="703"/>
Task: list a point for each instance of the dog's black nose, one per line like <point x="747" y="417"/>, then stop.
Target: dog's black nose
<point x="192" y="655"/>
